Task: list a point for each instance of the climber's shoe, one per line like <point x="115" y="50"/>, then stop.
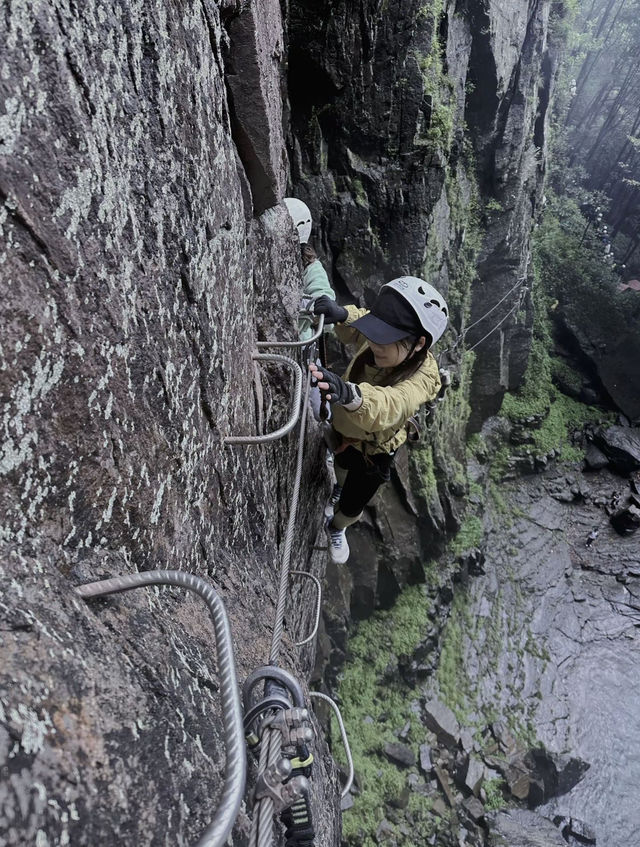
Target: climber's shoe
<point x="338" y="546"/>
<point x="332" y="502"/>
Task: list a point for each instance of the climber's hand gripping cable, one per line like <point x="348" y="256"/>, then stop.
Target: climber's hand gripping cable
<point x="346" y="394"/>
<point x="333" y="313"/>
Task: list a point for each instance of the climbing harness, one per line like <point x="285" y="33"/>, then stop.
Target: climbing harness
<point x="216" y="834"/>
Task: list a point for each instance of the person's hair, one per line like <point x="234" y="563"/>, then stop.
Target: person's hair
<point x="404" y="370"/>
<point x="309" y="255"/>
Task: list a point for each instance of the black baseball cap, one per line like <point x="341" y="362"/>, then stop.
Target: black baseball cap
<point x="390" y="319"/>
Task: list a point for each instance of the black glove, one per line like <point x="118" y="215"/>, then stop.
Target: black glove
<point x="343" y="393"/>
<point x="334" y="313"/>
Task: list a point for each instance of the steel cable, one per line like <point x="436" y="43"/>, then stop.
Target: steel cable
<point x="278" y="627"/>
<point x="262" y="823"/>
<point x="230" y="800"/>
<point x="463" y="334"/>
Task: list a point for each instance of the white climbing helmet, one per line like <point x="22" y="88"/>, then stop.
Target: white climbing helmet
<point x="301" y="217"/>
<point x="425" y="300"/>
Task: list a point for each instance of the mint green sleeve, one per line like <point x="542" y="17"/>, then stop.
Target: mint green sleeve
<point x="315" y="284"/>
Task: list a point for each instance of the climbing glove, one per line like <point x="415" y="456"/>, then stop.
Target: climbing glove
<point x="346" y="394"/>
<point x="333" y="313"/>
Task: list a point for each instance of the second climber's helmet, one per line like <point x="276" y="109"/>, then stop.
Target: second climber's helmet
<point x="301" y="217"/>
<point x="405" y="307"/>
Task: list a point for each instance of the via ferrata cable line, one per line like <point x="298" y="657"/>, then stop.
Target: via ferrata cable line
<point x="463" y="333"/>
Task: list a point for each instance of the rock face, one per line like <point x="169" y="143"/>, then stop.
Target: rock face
<point x="379" y="152"/>
<point x="135" y="283"/>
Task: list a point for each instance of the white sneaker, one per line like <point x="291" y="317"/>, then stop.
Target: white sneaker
<point x="332" y="502"/>
<point x="338" y="546"/>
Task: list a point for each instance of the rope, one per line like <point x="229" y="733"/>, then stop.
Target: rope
<point x="278" y="626"/>
<point x="216" y="834"/>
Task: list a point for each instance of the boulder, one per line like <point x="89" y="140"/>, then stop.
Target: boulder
<point x="400" y="754"/>
<point x="474" y="808"/>
<point x="385" y="831"/>
<point x="475" y="775"/>
<point x="552" y="774"/>
<point x="595" y="459"/>
<point x="425" y="759"/>
<point x="575" y="831"/>
<point x="521" y="828"/>
<point x="621" y="445"/>
<point x="445" y="785"/>
<point x="441" y="720"/>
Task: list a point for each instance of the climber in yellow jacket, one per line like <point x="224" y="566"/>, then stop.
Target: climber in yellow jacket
<point x="392" y="374"/>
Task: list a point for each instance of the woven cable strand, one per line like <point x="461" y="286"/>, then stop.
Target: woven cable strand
<point x="216" y="834"/>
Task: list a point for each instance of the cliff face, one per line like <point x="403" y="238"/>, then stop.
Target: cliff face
<point x="136" y="279"/>
<point x="142" y="153"/>
<point x="418" y="139"/>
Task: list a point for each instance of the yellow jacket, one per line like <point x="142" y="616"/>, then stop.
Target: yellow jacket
<point x="378" y="426"/>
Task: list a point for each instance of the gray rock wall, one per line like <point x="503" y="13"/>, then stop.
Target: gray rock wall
<point x="135" y="281"/>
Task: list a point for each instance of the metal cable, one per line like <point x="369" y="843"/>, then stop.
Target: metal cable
<point x="262" y="822"/>
<point x="283" y="590"/>
<point x="497" y="326"/>
<point x="293" y="419"/>
<point x="230" y="800"/>
<point x="462" y="335"/>
<point x="347" y="786"/>
<point x="261" y="345"/>
<point x="494" y="307"/>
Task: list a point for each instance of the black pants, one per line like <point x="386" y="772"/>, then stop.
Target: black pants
<point x="366" y="475"/>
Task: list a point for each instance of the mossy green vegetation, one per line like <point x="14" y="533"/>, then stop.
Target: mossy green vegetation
<point x="538" y="396"/>
<point x="470" y="534"/>
<point x="438" y="88"/>
<point x="453" y="681"/>
<point x="375" y="710"/>
<point x="493" y="792"/>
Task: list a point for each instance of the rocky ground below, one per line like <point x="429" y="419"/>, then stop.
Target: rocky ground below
<point x="518" y="692"/>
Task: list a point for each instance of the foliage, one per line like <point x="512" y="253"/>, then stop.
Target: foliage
<point x="437" y="85"/>
<point x="493" y="792"/>
<point x="374" y="710"/>
<point x="470" y="535"/>
<point x="568" y="275"/>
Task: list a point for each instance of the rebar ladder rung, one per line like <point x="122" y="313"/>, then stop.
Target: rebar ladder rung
<point x="284" y="430"/>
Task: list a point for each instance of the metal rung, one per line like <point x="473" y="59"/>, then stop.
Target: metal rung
<point x="263" y="344"/>
<point x="318" y="605"/>
<point x="345" y="740"/>
<point x="216" y="834"/>
<point x="284" y="430"/>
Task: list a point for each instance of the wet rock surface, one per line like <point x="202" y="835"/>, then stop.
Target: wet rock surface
<point x="555" y="646"/>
